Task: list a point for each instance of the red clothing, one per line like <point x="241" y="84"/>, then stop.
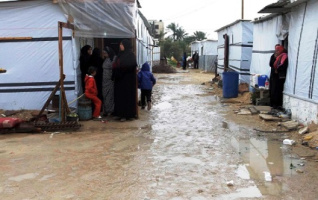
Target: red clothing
<point x="91" y="93"/>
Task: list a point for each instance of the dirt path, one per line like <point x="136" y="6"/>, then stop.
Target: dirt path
<point x="189" y="146"/>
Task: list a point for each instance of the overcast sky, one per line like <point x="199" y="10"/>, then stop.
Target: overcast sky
<point x="201" y="15"/>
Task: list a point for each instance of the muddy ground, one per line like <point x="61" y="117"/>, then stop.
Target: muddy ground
<point x="189" y="146"/>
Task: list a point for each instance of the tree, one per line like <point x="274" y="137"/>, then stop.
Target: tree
<point x="180" y="33"/>
<point x="173" y="27"/>
<point x="199" y="35"/>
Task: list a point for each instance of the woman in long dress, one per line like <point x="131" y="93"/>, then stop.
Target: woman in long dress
<point x="125" y="79"/>
<point x="108" y="83"/>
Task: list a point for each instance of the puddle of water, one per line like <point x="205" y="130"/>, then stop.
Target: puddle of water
<point x="242" y="172"/>
<point x="23" y="177"/>
<point x="250" y="192"/>
<point x="261" y="156"/>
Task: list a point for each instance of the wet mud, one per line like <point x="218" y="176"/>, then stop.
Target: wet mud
<point x="186" y="147"/>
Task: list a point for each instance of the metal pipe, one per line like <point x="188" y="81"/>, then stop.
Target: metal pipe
<point x="226" y="52"/>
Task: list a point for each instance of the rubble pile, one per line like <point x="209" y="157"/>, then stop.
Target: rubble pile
<point x="163" y="68"/>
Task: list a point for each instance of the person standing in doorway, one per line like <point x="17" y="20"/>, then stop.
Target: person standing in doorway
<point x="86" y="52"/>
<point x="125" y="79"/>
<point x="108" y="83"/>
<point x="96" y="60"/>
<point x="278" y="77"/>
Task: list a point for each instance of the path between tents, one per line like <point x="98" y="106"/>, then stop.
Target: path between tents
<point x="189" y="146"/>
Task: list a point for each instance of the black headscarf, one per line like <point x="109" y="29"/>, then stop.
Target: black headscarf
<point x="110" y="52"/>
<point x="127" y="57"/>
<point x="84" y="51"/>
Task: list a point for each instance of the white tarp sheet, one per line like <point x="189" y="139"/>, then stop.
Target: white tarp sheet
<point x="240" y="48"/>
<point x="100" y="19"/>
<point x="265" y="39"/>
<point x="33" y="65"/>
<point x="302" y="71"/>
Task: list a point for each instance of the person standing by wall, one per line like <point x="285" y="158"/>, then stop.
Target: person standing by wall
<point x="108" y="83"/>
<point x="184" y="61"/>
<point x="278" y="77"/>
<point x="195" y="58"/>
<point x="125" y="78"/>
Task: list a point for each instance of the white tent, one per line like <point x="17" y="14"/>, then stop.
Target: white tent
<point x="299" y="20"/>
<point x="240" y="35"/>
<point x="29" y="41"/>
<point x="207" y="50"/>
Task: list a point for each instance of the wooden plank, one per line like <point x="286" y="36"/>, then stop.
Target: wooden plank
<point x="49" y="99"/>
<point x="62" y="91"/>
<point x="269" y="117"/>
<point x="290" y="125"/>
<point x="15" y="38"/>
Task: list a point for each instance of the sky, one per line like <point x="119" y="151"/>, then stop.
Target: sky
<point x="201" y="15"/>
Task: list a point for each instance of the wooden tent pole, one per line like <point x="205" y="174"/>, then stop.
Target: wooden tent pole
<point x="62" y="92"/>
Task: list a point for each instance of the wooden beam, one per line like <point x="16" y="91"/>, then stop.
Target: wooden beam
<point x="62" y="92"/>
<point x="15" y="38"/>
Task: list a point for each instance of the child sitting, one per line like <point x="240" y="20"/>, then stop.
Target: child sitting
<point x="91" y="91"/>
<point x="146" y="81"/>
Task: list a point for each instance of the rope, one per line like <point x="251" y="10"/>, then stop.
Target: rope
<point x="76" y="99"/>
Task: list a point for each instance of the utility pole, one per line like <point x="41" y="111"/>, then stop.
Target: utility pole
<point x="242" y="9"/>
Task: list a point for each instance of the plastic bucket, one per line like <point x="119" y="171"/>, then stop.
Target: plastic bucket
<point x="84" y="109"/>
<point x="261" y="80"/>
<point x="230" y="84"/>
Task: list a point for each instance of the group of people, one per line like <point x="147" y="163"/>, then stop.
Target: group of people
<point x="278" y="63"/>
<point x="110" y="81"/>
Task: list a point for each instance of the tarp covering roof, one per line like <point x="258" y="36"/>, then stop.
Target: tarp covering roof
<point x="282" y="6"/>
<point x="102" y="18"/>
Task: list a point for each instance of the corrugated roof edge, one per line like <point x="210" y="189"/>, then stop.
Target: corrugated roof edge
<point x="265" y="18"/>
<point x="237" y="21"/>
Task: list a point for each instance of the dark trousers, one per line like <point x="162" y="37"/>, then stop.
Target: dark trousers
<point x="145" y="94"/>
<point x="196" y="64"/>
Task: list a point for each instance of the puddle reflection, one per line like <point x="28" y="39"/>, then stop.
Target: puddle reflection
<point x="260" y="157"/>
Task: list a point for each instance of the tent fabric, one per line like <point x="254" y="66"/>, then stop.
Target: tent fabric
<point x="207" y="50"/>
<point x="102" y="19"/>
<point x="240" y="48"/>
<point x="302" y="72"/>
<point x="33" y="65"/>
<point x="264" y="41"/>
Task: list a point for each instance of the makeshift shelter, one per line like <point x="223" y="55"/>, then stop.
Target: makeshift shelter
<point x="298" y="19"/>
<point x="240" y="43"/>
<point x="207" y="50"/>
<point x="30" y="46"/>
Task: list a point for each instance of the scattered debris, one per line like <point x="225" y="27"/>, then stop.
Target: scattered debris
<point x="267" y="117"/>
<point x="163" y="68"/>
<point x="230" y="183"/>
<point x="290" y="125"/>
<point x="244" y="112"/>
<point x="268" y="176"/>
<point x="288" y="142"/>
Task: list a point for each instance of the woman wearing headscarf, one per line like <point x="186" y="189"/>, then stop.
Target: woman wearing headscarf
<point x="278" y="76"/>
<point x="86" y="52"/>
<point x="124" y="76"/>
<point x="97" y="61"/>
<point x="108" y="83"/>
